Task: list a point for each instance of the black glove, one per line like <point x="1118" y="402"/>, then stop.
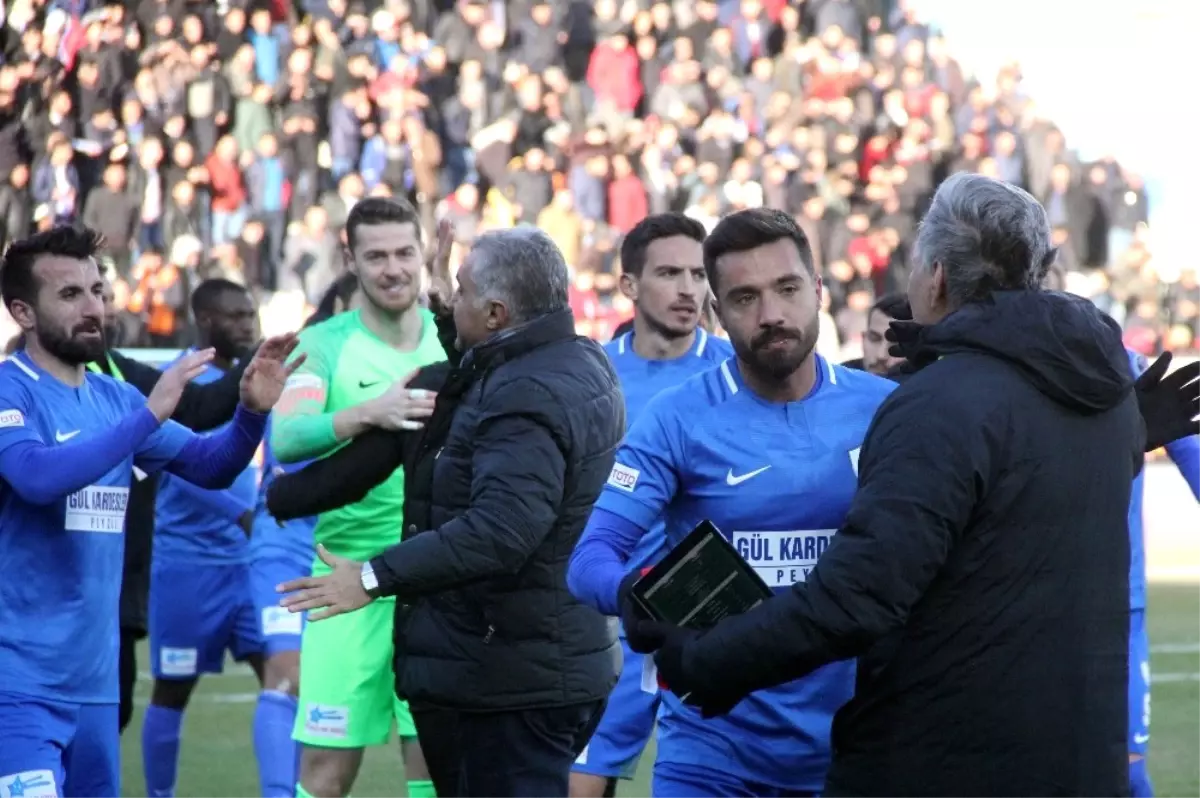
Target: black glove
<point x="632" y="616"/>
<point x="1170" y="404"/>
<point x="671" y="657"/>
<point x="906" y="339"/>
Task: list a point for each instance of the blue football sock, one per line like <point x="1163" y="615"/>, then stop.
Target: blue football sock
<point x="160" y="750"/>
<point x="278" y="755"/>
<point x="1139" y="779"/>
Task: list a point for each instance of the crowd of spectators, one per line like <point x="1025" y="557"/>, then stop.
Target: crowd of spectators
<point x="224" y="138"/>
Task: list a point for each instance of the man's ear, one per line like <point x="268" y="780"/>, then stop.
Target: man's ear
<point x="498" y="316"/>
<point x="937" y="287"/>
<point x="23" y="314"/>
<point x="629" y="286"/>
<point x="348" y="260"/>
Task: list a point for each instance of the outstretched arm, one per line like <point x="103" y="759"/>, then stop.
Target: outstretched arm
<point x="42" y="474"/>
<point x="342" y="478"/>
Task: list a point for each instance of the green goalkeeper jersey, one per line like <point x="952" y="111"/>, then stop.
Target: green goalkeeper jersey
<point x="346" y="365"/>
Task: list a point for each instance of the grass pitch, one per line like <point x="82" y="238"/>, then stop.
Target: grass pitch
<point x="217" y="757"/>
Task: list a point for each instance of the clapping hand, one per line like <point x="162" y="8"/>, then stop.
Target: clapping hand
<point x="263" y="380"/>
<point x="167" y="391"/>
<point x="1169" y="404"/>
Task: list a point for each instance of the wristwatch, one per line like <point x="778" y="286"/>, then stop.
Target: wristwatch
<point x="370" y="582"/>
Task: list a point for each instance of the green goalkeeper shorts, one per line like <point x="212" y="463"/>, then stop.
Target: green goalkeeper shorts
<point x="347" y="686"/>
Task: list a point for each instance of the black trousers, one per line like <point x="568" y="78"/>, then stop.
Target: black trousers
<point x="512" y="753"/>
<point x="127" y="672"/>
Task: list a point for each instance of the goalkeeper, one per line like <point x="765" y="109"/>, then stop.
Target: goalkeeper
<point x="358" y="364"/>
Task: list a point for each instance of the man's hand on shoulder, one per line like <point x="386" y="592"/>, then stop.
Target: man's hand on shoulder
<point x="400" y="407"/>
<point x="264" y="379"/>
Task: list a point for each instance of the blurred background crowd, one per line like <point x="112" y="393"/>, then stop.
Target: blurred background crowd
<point x="225" y="138"/>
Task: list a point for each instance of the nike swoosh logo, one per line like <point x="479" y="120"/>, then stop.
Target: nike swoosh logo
<point x="1141" y="739"/>
<point x="63" y="437"/>
<point x="731" y="479"/>
<point x="362" y="384"/>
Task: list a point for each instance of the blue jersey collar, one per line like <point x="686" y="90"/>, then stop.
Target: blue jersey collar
<point x="731" y="376"/>
<point x="699" y="344"/>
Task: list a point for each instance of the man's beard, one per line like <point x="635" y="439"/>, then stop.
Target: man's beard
<point x="666" y="331"/>
<point x="777" y="366"/>
<point x="69" y="348"/>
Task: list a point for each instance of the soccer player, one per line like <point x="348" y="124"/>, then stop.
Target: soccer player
<point x="876" y="358"/>
<point x="765" y="446"/>
<point x="69" y="440"/>
<point x="279" y="552"/>
<point x="200" y="605"/>
<point x="1185" y="452"/>
<point x="662" y="261"/>
<point x="353" y="380"/>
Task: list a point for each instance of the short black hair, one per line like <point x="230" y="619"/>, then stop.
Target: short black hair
<point x="623" y="328"/>
<point x="17" y="281"/>
<point x="661" y="225"/>
<point x="205" y="297"/>
<point x="894" y="306"/>
<point x="380" y="210"/>
<point x="342" y="290"/>
<point x="750" y="229"/>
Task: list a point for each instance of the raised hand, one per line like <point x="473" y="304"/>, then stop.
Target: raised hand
<point x="169" y="388"/>
<point x="263" y="381"/>
<point x="1168" y="403"/>
<point x="439" y="269"/>
<point x="401" y="407"/>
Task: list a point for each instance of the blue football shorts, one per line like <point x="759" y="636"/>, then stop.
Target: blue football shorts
<point x="618" y="742"/>
<point x="197" y="613"/>
<point x="1139" y="683"/>
<point x="673" y="780"/>
<point x="280" y="629"/>
<point x="54" y="749"/>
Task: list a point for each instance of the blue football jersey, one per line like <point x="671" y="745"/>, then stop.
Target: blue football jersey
<point x="777" y="480"/>
<point x="197" y="525"/>
<point x="642" y="380"/>
<point x="293" y="537"/>
<point x="59" y="608"/>
<point x="1185" y="452"/>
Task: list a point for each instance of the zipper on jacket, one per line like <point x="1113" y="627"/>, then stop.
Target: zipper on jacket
<point x="491" y="630"/>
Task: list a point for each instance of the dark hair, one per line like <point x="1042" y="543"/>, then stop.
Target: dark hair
<point x="750" y="229"/>
<point x="380" y="210"/>
<point x="623" y="328"/>
<point x="894" y="306"/>
<point x="341" y="291"/>
<point x="204" y="298"/>
<point x="647" y="231"/>
<point x="17" y="281"/>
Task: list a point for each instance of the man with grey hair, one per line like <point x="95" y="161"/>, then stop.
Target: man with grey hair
<point x="507" y="673"/>
<point x="980" y="576"/>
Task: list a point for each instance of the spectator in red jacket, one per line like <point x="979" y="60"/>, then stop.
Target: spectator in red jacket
<point x="614" y="73"/>
<point x="627" y="202"/>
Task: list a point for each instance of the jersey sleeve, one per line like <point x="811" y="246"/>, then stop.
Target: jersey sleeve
<point x="16" y="417"/>
<point x="646" y="473"/>
<point x="302" y="428"/>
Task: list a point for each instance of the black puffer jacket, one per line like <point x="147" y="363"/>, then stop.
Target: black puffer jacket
<point x="498" y="488"/>
<point x="535" y="417"/>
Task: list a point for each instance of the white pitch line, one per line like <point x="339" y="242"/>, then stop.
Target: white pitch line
<point x="1175" y="648"/>
<point x="1166" y="678"/>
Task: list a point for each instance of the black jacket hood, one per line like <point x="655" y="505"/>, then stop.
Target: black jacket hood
<point x="1069" y="349"/>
